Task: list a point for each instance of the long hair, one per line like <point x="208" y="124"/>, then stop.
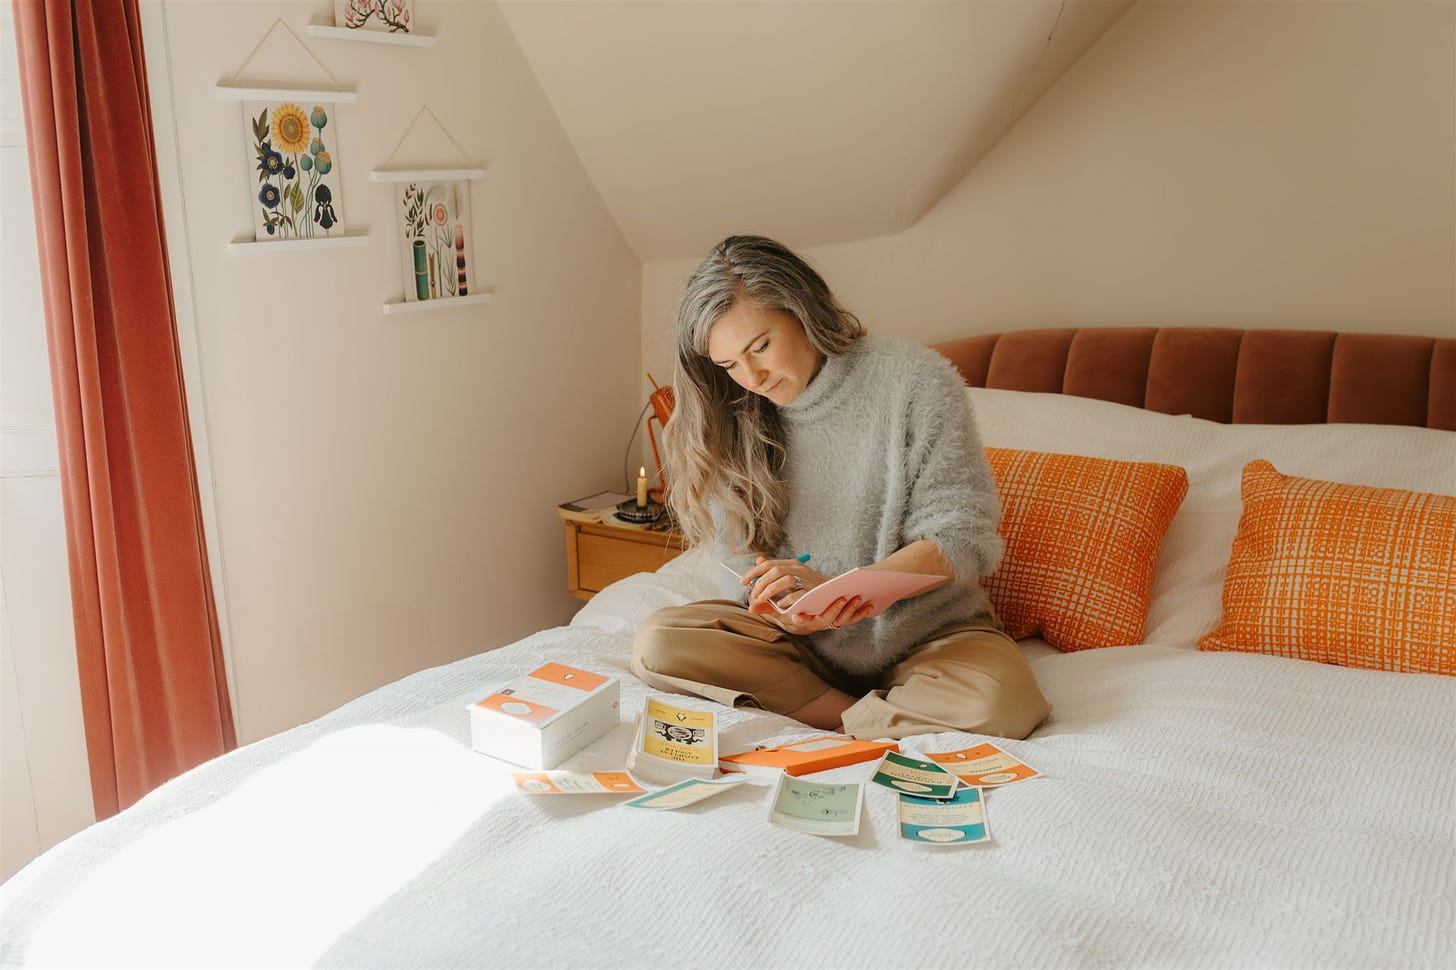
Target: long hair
<point x="725" y="445"/>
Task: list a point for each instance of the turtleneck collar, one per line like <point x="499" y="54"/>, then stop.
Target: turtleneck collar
<point x="826" y="390"/>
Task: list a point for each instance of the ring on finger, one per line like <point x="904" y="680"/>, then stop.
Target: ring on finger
<point x="798" y="582"/>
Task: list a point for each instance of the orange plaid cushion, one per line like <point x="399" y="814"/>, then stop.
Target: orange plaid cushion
<point x="1342" y="574"/>
<point x="1082" y="537"/>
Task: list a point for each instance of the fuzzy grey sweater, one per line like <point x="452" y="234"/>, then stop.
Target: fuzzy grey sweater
<point x="883" y="451"/>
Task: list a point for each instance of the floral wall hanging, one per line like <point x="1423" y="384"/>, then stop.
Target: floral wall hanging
<point x="434" y="220"/>
<point x="295" y="156"/>
<point x="394" y="16"/>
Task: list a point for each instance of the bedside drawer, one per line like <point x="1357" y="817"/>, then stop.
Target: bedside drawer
<point x="605" y="560"/>
<point x="598" y="555"/>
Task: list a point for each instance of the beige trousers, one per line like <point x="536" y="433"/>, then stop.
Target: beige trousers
<point x="971" y="677"/>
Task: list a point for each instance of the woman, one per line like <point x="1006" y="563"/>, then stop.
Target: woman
<point x="795" y="432"/>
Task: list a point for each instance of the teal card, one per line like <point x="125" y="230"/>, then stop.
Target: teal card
<point x="953" y="821"/>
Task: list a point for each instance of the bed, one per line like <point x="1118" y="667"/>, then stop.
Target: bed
<point x="1209" y="808"/>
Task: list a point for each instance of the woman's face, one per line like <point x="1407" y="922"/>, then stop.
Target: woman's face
<point x="765" y="351"/>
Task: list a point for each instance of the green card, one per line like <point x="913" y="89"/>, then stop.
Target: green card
<point x="914" y="776"/>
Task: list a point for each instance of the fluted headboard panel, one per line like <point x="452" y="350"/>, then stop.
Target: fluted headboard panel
<point x="1227" y="375"/>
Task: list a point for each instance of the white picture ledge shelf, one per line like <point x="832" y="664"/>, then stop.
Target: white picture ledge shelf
<point x="266" y="92"/>
<point x="247" y="244"/>
<point x="412" y="306"/>
<point x="425" y="174"/>
<point x="330" y="32"/>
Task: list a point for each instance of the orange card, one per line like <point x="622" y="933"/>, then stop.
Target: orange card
<point x="984" y="765"/>
<point x="576" y="783"/>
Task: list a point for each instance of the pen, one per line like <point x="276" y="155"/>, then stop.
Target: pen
<point x="802" y="557"/>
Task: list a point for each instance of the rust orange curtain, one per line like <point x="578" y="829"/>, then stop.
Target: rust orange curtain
<point x="153" y="689"/>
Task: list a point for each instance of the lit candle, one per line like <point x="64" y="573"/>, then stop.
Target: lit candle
<point x="642" y="487"/>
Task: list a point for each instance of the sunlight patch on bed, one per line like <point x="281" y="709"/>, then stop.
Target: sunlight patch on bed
<point x="362" y="811"/>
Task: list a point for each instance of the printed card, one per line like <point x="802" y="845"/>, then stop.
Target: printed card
<point x="816" y="807"/>
<point x="985" y="765"/>
<point x="681" y="736"/>
<point x="576" y="783"/>
<point x="959" y="820"/>
<point x="914" y="775"/>
<point x="683" y="793"/>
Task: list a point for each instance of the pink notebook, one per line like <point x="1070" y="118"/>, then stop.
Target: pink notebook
<point x="881" y="587"/>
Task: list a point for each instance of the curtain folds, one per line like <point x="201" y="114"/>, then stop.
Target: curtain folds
<point x="153" y="688"/>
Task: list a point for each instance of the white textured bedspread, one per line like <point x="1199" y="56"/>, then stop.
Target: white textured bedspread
<point x="1215" y="810"/>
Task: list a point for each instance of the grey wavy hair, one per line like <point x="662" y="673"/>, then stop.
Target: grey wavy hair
<point x="724" y="446"/>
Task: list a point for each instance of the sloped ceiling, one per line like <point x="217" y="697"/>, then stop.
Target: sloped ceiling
<point x="815" y="121"/>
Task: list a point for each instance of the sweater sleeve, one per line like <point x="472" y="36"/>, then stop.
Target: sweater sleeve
<point x="952" y="497"/>
<point x="729" y="588"/>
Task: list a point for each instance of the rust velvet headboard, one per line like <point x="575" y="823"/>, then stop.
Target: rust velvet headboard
<point x="1227" y="375"/>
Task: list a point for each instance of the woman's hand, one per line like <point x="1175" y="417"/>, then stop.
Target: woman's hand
<point x="785" y="581"/>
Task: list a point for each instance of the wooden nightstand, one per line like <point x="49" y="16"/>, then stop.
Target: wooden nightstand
<point x="598" y="554"/>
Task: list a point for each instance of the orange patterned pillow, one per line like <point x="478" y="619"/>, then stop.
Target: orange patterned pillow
<point x="1342" y="574"/>
<point x="1082" y="537"/>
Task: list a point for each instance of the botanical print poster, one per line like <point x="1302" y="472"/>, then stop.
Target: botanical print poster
<point x="294" y="155"/>
<point x="434" y="219"/>
<point x="391" y="15"/>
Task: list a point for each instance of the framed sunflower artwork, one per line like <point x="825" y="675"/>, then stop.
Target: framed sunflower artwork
<point x="295" y="156"/>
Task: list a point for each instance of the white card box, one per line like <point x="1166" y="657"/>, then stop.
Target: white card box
<point x="545" y="717"/>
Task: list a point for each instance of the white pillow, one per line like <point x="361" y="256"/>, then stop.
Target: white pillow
<point x="1187" y="598"/>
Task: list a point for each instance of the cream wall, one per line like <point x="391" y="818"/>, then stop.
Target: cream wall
<point x="384" y="484"/>
<point x="1263" y="164"/>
